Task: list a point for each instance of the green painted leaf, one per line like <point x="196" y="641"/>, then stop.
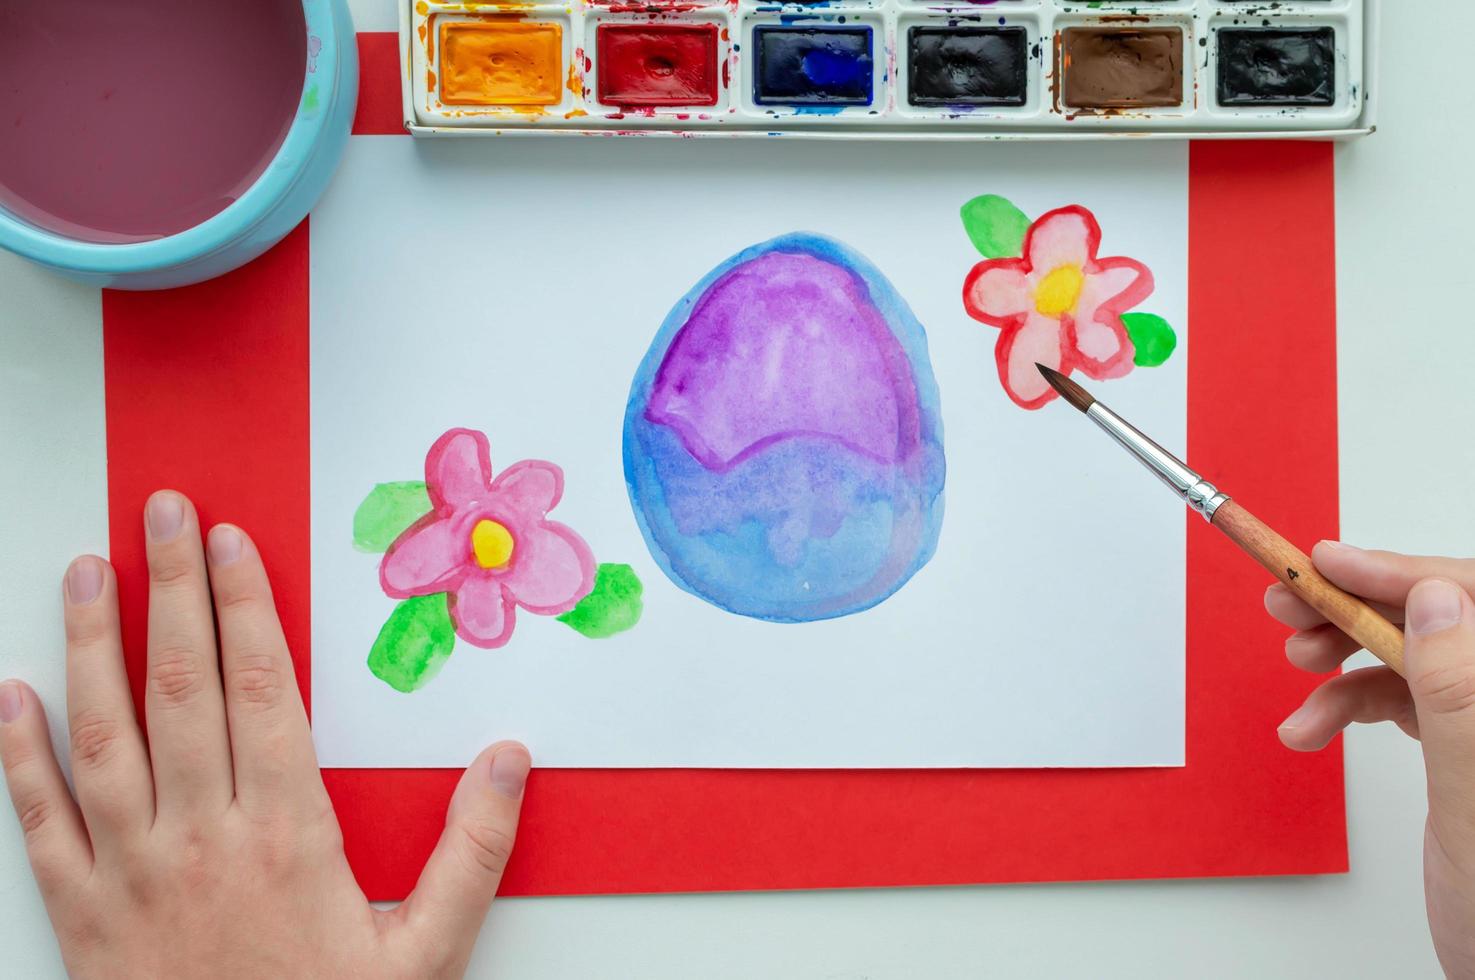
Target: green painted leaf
<point x="995" y="226"/>
<point x="612" y="606"/>
<point x="386" y="512"/>
<point x="1152" y="336"/>
<point x="414" y="643"/>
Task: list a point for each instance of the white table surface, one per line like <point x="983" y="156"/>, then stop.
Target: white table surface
<point x="1406" y="347"/>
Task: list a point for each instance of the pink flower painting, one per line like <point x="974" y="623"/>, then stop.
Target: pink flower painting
<point x="1057" y="302"/>
<point x="488" y="542"/>
<point x="466" y="548"/>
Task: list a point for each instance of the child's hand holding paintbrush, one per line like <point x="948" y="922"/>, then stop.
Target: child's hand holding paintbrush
<point x="1370" y="694"/>
<point x="1431" y="597"/>
<point x="1340" y="600"/>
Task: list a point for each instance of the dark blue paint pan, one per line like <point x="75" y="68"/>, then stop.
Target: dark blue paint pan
<point x="813" y="66"/>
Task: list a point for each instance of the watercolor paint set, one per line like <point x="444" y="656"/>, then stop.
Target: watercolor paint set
<point x="988" y="69"/>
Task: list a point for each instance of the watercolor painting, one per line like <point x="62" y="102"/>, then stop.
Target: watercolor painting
<point x="465" y="549"/>
<point x="1055" y="300"/>
<point x="783" y="437"/>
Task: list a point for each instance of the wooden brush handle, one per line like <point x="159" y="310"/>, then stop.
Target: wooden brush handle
<point x="1289" y="564"/>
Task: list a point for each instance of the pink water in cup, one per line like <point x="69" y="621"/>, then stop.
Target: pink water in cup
<point x="130" y="120"/>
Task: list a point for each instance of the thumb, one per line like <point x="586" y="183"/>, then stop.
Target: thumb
<point x="1440" y="655"/>
<point x="451" y="899"/>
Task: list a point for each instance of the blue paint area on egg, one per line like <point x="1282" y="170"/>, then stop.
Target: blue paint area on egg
<point x="783" y="437"/>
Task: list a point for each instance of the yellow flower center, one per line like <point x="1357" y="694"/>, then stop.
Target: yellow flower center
<point x="492" y="544"/>
<point x="1058" y="292"/>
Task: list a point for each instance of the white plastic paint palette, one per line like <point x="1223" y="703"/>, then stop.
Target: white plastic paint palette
<point x="885" y="69"/>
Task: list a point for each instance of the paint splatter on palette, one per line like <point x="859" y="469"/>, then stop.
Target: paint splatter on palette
<point x="984" y="69"/>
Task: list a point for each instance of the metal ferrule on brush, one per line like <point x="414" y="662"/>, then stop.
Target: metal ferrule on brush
<point x="1197" y="492"/>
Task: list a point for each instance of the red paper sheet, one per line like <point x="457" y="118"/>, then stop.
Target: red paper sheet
<point x="207" y="392"/>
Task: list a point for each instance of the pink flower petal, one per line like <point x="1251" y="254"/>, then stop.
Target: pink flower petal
<point x="530" y="487"/>
<point x="552" y="568"/>
<point x="483" y="611"/>
<point x="1038" y="340"/>
<point x="997" y="292"/>
<point x="1103" y="349"/>
<point x="1100" y="339"/>
<point x="1067" y="236"/>
<point x="458" y="468"/>
<point x="1115" y="282"/>
<point x="430" y="556"/>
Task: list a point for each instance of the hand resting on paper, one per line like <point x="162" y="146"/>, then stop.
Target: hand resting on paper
<point x="1431" y="597"/>
<point x="213" y="850"/>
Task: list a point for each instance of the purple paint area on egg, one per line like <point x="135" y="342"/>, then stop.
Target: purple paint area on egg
<point x="783" y="445"/>
<point x="787" y="344"/>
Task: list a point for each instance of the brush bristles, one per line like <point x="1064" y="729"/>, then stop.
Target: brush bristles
<point x="1068" y="389"/>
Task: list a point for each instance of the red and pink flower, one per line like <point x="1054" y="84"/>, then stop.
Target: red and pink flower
<point x="488" y="542"/>
<point x="1059" y="305"/>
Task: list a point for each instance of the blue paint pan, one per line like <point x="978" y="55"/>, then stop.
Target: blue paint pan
<point x="813" y="66"/>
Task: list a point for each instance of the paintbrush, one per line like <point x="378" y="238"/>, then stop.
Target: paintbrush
<point x="1281" y="558"/>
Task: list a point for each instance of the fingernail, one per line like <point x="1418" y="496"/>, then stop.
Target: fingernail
<point x="1295" y="641"/>
<point x="510" y="771"/>
<point x="11" y="702"/>
<point x="84" y="581"/>
<point x="225" y="544"/>
<point x="1339" y="546"/>
<point x="1434" y="606"/>
<point x="1298" y="718"/>
<point x="165" y="516"/>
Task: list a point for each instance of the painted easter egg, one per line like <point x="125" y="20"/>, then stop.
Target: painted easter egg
<point x="783" y="440"/>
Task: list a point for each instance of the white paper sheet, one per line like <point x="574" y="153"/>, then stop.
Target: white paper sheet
<point x="513" y="286"/>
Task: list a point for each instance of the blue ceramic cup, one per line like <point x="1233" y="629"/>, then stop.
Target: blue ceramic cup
<point x="272" y="206"/>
